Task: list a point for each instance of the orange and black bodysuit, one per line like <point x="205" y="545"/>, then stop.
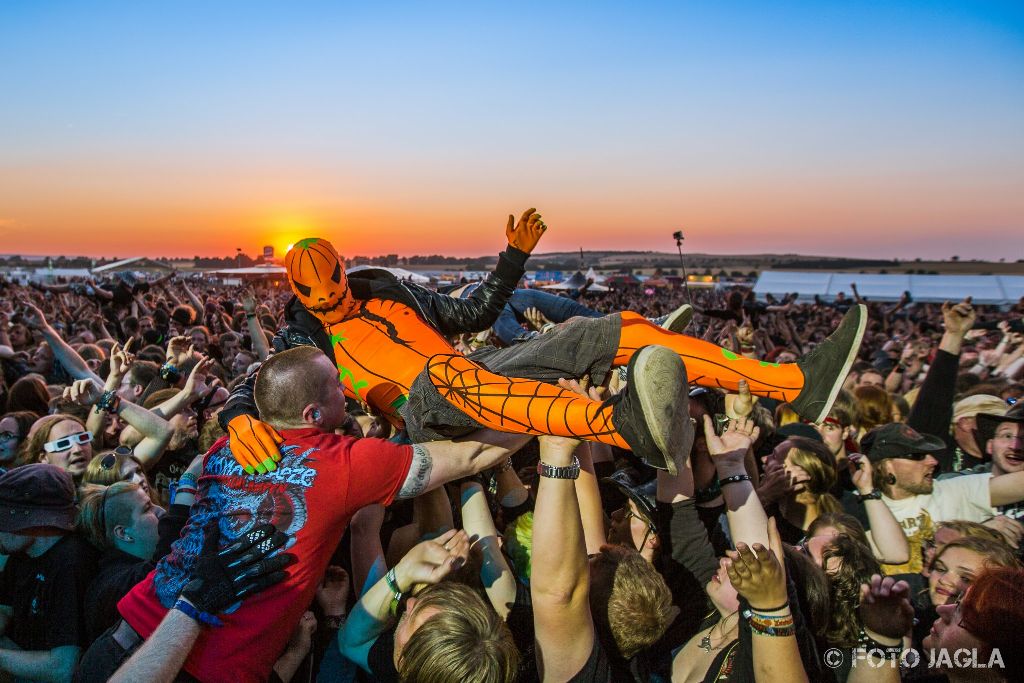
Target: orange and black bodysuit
<point x="383" y="333"/>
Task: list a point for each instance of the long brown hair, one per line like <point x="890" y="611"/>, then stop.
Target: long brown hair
<point x="32" y="447"/>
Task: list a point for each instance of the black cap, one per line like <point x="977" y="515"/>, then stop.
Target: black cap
<point x="642" y="495"/>
<point x="897" y="440"/>
<point x="38" y="495"/>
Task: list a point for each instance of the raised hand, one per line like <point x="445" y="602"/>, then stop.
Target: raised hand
<point x="121" y="360"/>
<point x="757" y="573"/>
<point x="179" y="351"/>
<point x="738" y="436"/>
<point x="525" y="234"/>
<point x="332" y="593"/>
<point x="958" y="319"/>
<point x="862" y="476"/>
<point x="535" y="318"/>
<point x="33" y="317"/>
<point x="194" y="383"/>
<point x="885" y="606"/>
<point x="82" y="391"/>
<point x="431" y="561"/>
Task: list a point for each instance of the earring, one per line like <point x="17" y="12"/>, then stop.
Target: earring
<point x="316" y="414"/>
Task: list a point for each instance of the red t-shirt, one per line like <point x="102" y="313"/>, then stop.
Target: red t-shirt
<point x="321" y="481"/>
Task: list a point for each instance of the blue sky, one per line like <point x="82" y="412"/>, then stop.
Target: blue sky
<point x="863" y="128"/>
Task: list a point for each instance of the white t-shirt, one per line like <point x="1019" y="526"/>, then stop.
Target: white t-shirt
<point x="965" y="497"/>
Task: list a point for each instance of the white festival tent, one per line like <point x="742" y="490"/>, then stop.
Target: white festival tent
<point x="984" y="289"/>
<point x="400" y="273"/>
<point x="576" y="282"/>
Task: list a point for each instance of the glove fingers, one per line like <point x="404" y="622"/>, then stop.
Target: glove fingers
<point x="263" y="567"/>
<point x="261" y="583"/>
<point x="260" y="546"/>
<point x="243" y="543"/>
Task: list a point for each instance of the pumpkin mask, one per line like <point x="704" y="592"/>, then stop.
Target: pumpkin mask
<point x="317" y="277"/>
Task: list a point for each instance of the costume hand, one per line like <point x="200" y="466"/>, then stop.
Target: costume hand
<point x="221" y="578"/>
<point x="525" y="234"/>
<point x="431" y="561"/>
<point x="885" y="606"/>
<point x="757" y="574"/>
<point x="958" y="319"/>
<point x="254" y="444"/>
<point x="332" y="594"/>
<point x="738" y="436"/>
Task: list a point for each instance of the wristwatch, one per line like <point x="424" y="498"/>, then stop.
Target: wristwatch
<point x="568" y="472"/>
<point x="875" y="494"/>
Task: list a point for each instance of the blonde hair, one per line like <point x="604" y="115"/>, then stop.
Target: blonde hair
<point x="101" y="508"/>
<point x="31" y="450"/>
<point x="95" y="473"/>
<point x="465" y="642"/>
<point x="629" y="600"/>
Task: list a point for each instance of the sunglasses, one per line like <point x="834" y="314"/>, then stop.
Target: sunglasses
<point x="110" y="459"/>
<point x="67" y="442"/>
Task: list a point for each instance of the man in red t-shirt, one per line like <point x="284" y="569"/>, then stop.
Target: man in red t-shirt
<point x="322" y="480"/>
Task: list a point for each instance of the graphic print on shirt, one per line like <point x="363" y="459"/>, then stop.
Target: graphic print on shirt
<point x="917" y="529"/>
<point x="239" y="502"/>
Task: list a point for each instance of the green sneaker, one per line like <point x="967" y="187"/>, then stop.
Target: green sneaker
<point x="652" y="412"/>
<point x="826" y="367"/>
<point x="677" y="320"/>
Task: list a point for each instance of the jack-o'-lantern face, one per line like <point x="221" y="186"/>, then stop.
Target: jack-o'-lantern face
<point x="317" y="276"/>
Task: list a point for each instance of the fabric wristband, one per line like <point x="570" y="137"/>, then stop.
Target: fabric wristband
<point x="187" y="479"/>
<point x="193" y="613"/>
<point x="392" y="582"/>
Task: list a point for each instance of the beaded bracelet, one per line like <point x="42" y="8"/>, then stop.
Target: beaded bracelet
<point x="187" y="479"/>
<point x="777" y="630"/>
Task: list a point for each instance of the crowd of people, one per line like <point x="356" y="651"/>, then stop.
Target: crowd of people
<point x="206" y="482"/>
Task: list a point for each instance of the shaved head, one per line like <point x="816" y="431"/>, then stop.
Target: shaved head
<point x="291" y="380"/>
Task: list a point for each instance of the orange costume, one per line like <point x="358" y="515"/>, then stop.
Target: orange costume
<point x="381" y="346"/>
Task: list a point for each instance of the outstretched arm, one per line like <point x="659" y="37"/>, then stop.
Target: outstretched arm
<point x="438" y="462"/>
<point x="560" y="576"/>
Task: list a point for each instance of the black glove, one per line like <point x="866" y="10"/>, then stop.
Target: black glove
<point x="222" y="578"/>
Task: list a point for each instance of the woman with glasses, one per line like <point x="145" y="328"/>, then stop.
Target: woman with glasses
<point x="14" y="427"/>
<point x="117" y="465"/>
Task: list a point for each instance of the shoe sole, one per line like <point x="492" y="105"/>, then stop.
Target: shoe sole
<point x="679" y="319"/>
<point x="851" y="356"/>
<point x="655" y="377"/>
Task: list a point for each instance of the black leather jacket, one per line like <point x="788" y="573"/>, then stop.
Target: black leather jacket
<point x="450" y="316"/>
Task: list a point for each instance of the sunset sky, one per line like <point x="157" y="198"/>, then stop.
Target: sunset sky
<point x="880" y="129"/>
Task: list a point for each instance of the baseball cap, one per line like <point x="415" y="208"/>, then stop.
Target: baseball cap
<point x="642" y="495"/>
<point x="37" y="495"/>
<point x="897" y="440"/>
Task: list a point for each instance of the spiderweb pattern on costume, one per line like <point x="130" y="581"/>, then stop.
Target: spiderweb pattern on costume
<point x="520" y="405"/>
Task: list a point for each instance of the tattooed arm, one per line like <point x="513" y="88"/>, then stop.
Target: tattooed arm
<point x="438" y="462"/>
